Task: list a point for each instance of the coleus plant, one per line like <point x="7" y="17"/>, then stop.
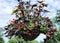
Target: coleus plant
<point x="28" y="25"/>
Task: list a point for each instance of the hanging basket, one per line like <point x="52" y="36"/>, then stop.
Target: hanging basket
<point x="31" y="35"/>
<point x="34" y="24"/>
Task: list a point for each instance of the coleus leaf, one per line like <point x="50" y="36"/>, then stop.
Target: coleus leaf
<point x="40" y="1"/>
<point x="34" y="5"/>
<point x="14" y="11"/>
<point x="18" y="0"/>
<point x="46" y="11"/>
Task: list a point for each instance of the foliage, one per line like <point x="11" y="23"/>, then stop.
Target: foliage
<point x="57" y="36"/>
<point x="50" y="41"/>
<point x="1" y="40"/>
<point x="57" y="18"/>
<point x="20" y="40"/>
<point x="1" y="32"/>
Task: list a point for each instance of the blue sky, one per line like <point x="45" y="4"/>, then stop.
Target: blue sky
<point x="6" y="7"/>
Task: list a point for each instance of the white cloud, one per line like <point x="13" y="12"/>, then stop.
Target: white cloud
<point x="53" y="5"/>
<point x="6" y="7"/>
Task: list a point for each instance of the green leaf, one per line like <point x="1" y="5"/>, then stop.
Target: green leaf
<point x="14" y="11"/>
<point x="1" y="40"/>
